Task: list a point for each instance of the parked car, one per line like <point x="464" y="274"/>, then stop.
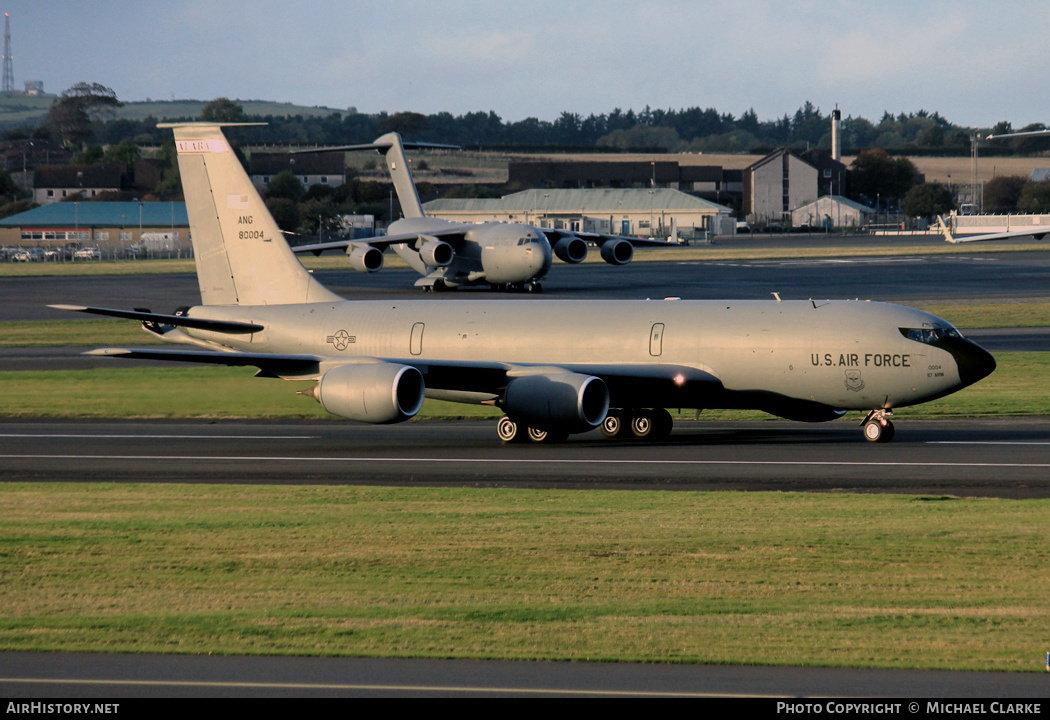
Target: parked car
<point x="87" y="254"/>
<point x="21" y="255"/>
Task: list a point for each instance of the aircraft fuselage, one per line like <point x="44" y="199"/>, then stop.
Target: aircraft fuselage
<point x="494" y="253"/>
<point x="794" y="358"/>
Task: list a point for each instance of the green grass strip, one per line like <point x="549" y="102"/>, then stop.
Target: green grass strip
<point x="753" y="578"/>
<point x="724" y="250"/>
<point x="1016" y="388"/>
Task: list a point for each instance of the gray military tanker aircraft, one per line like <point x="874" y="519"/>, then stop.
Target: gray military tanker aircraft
<point x="506" y="256"/>
<point x="555" y="367"/>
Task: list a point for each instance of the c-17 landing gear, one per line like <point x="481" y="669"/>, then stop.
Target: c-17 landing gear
<point x="877" y="427"/>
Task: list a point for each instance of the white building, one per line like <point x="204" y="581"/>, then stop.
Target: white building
<point x="831" y="211"/>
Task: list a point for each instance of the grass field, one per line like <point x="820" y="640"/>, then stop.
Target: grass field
<point x="755" y="578"/>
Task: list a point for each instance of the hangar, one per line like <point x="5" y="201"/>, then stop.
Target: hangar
<point x="655" y="212"/>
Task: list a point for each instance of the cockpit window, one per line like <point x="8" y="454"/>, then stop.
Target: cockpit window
<point x="930" y="335"/>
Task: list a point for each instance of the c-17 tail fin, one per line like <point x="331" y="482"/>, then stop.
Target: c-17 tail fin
<point x="242" y="257"/>
<point x="393" y="149"/>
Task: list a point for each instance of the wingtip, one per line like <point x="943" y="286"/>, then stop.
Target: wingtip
<point x="108" y="352"/>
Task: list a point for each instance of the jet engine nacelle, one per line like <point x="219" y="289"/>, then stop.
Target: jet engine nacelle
<point x="565" y="401"/>
<point x="436" y="253"/>
<point x="617" y="252"/>
<point x="571" y="249"/>
<point x="372" y="393"/>
<point x="365" y="258"/>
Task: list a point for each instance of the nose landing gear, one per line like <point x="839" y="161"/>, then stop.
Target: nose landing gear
<point x="877" y="426"/>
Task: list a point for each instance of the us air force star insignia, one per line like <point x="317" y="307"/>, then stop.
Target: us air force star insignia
<point x="854" y="381"/>
<point x="342" y="340"/>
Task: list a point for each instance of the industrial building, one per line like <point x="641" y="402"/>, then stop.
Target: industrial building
<point x="113" y="227"/>
<point x="658" y="212"/>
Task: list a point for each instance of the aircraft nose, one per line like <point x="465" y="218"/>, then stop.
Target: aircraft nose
<point x="974" y="362"/>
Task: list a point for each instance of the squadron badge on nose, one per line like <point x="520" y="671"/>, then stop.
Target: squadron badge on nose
<point x="854" y="381"/>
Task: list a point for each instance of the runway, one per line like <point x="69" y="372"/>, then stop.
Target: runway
<point x="980" y="458"/>
<point x="983" y="458"/>
<point x="80" y="676"/>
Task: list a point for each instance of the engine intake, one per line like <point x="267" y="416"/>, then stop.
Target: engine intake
<point x="436" y="253"/>
<point x="365" y="258"/>
<point x="617" y="252"/>
<point x="373" y="393"/>
<point x="571" y="249"/>
<point x="566" y="401"/>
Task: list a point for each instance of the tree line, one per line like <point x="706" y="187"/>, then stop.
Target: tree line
<point x="83" y="117"/>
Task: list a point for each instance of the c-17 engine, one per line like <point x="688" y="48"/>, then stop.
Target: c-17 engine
<point x="617" y="252"/>
<point x="571" y="249"/>
<point x="378" y="392"/>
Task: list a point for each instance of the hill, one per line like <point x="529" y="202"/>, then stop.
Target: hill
<point x="21" y="110"/>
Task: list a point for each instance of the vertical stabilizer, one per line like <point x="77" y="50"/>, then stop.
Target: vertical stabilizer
<point x="401" y="174"/>
<point x="242" y="256"/>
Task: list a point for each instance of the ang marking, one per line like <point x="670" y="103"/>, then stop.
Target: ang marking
<point x="342" y="340"/>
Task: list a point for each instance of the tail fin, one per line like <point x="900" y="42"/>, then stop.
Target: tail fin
<point x="242" y="256"/>
<point x="401" y="174"/>
<point x="944" y="229"/>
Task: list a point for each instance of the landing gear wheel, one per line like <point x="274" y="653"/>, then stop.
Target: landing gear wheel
<point x="642" y="425"/>
<point x="547" y="437"/>
<point x="510" y="431"/>
<point x="652" y="424"/>
<point x="535" y="287"/>
<point x="615" y="424"/>
<point x="878" y="430"/>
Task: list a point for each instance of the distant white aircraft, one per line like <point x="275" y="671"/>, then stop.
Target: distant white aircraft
<point x="555" y="367"/>
<point x="506" y="256"/>
<point x="1037" y="232"/>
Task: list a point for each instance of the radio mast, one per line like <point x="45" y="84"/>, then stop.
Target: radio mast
<point x="9" y="66"/>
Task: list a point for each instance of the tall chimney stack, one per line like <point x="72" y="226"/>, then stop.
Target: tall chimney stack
<point x="836" y="135"/>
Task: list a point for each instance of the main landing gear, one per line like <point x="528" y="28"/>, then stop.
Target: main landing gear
<point x="877" y="427"/>
<point x="652" y="424"/>
<point x="513" y="432"/>
<point x="529" y="287"/>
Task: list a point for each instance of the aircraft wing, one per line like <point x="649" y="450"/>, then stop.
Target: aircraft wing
<point x="601" y="238"/>
<point x="452" y="236"/>
<point x="625" y="382"/>
<point x="1037" y="232"/>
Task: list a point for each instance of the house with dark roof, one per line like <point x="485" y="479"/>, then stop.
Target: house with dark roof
<point x="54" y="183"/>
<point x="311" y="168"/>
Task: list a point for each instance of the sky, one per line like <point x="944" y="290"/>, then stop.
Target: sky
<point x="976" y="63"/>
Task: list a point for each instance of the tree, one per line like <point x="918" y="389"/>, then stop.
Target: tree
<point x="1002" y="192"/>
<point x="874" y="174"/>
<point x="1035" y="197"/>
<point x="71" y="115"/>
<point x="927" y="200"/>
<point x="222" y="109"/>
<point x="285" y="185"/>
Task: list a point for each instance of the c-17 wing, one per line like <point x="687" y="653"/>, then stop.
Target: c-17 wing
<point x="453" y="236"/>
<point x="1037" y="232"/>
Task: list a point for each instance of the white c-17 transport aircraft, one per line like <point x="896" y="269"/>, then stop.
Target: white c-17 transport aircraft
<point x="555" y="367"/>
<point x="503" y="255"/>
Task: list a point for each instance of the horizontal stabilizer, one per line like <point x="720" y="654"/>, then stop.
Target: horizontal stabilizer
<point x="269" y="364"/>
<point x="223" y="326"/>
